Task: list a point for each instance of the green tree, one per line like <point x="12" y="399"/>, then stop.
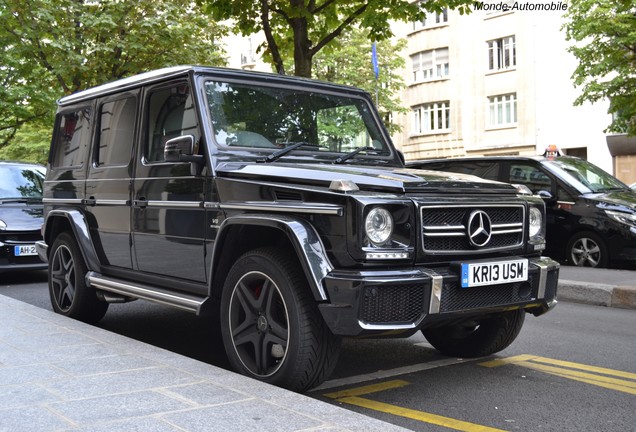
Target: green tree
<point x="56" y="47"/>
<point x="348" y="61"/>
<point x="299" y="29"/>
<point x="604" y="36"/>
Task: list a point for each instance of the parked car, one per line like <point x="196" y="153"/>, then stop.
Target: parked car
<point x="633" y="186"/>
<point x="591" y="215"/>
<point x="20" y="215"/>
<point x="280" y="207"/>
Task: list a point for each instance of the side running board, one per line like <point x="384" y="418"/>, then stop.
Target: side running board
<point x="184" y="301"/>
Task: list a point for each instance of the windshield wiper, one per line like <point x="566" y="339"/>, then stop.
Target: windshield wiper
<point x="351" y="154"/>
<point x="282" y="152"/>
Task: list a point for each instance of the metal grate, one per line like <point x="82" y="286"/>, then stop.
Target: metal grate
<point x="456" y="298"/>
<point x="384" y="304"/>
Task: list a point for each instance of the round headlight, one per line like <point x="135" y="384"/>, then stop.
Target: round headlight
<point x="3" y="225"/>
<point x="379" y="225"/>
<point x="536" y="222"/>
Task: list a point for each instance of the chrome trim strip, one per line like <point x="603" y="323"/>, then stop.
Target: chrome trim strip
<point x="543" y="279"/>
<point x="112" y="202"/>
<point x="445" y="227"/>
<point x="211" y="205"/>
<point x="173" y="204"/>
<point x="325" y="209"/>
<point x="436" y="293"/>
<point x="385" y="326"/>
<point x="445" y="234"/>
<point x="62" y="200"/>
<point x="188" y="303"/>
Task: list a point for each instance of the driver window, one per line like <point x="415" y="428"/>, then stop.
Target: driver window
<point x="171" y="114"/>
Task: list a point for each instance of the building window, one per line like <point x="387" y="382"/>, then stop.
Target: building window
<point x="431" y="117"/>
<point x="432" y="19"/>
<point x="502" y="53"/>
<point x="431" y="64"/>
<point x="503" y="109"/>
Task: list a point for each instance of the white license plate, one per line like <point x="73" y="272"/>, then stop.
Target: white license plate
<point x="24" y="250"/>
<point x="494" y="273"/>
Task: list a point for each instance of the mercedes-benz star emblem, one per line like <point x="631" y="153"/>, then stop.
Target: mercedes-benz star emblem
<point x="479" y="228"/>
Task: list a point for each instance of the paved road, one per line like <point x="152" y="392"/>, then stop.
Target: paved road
<point x="417" y="388"/>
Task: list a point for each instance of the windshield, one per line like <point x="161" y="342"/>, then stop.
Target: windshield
<point x="587" y="174"/>
<point x="275" y="118"/>
<point x="20" y="182"/>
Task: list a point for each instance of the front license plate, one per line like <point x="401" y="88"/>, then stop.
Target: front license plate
<point x="24" y="250"/>
<point x="494" y="273"/>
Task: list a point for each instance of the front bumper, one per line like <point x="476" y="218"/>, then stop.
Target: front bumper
<point x="404" y="301"/>
<point x="10" y="262"/>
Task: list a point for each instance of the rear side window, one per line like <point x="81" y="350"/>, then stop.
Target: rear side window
<point x="116" y="132"/>
<point x="71" y="139"/>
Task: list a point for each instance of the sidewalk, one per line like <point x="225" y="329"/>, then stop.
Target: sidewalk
<point x="58" y="374"/>
<point x="602" y="287"/>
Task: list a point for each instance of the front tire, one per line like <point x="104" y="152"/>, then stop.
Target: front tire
<point x="478" y="337"/>
<point x="271" y="327"/>
<point x="70" y="296"/>
<point x="587" y="249"/>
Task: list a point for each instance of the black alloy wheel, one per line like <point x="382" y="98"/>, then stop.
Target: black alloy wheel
<point x="271" y="327"/>
<point x="70" y="296"/>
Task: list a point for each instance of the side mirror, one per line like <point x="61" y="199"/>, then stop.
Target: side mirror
<point x="545" y="195"/>
<point x="179" y="149"/>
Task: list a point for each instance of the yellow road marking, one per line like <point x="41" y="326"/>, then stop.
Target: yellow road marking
<point x="594" y="375"/>
<point x="352" y="397"/>
<point x="373" y="388"/>
<point x="599" y="380"/>
<point x="417" y="415"/>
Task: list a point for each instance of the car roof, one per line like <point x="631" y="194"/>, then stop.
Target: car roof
<point x="21" y="164"/>
<point x="491" y="158"/>
<point x="176" y="71"/>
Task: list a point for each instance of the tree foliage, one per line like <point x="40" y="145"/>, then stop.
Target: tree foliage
<point x="604" y="36"/>
<point x="56" y="47"/>
<point x="299" y="29"/>
<point x="348" y="61"/>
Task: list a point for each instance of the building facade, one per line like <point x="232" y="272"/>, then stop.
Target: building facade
<point x="495" y="82"/>
<point x="490" y="82"/>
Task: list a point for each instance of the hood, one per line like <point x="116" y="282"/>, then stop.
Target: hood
<point x="368" y="178"/>
<point x="624" y="200"/>
<point x="21" y="217"/>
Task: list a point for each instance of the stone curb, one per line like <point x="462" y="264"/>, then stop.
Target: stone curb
<point x="597" y="294"/>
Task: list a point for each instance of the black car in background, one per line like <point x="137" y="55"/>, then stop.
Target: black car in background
<point x="20" y="215"/>
<point x="591" y="215"/>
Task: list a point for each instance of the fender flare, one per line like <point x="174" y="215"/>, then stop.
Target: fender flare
<point x="304" y="238"/>
<point x="78" y="224"/>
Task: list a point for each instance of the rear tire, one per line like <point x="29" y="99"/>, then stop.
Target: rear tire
<point x="270" y="323"/>
<point x="70" y="296"/>
<point x="479" y="337"/>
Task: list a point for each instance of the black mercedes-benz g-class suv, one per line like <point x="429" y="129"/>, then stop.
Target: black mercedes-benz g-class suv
<point x="279" y="206"/>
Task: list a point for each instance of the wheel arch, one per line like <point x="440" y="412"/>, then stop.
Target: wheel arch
<point x="58" y="221"/>
<point x="248" y="232"/>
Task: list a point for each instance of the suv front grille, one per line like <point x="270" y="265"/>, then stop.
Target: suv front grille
<point x="445" y="228"/>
